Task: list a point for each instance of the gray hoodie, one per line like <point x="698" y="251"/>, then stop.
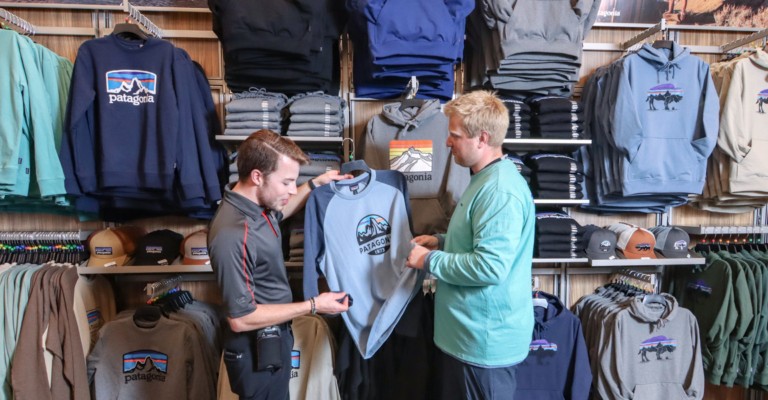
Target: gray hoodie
<point x="652" y="352"/>
<point x="412" y="141"/>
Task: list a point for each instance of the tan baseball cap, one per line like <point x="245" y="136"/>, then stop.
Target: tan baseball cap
<point x="634" y="242"/>
<point x="194" y="248"/>
<point x="113" y="246"/>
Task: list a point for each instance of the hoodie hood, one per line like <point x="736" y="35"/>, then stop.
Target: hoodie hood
<point x="656" y="314"/>
<point x="543" y="317"/>
<point x="666" y="61"/>
<point x="760" y="58"/>
<point x="409" y="118"/>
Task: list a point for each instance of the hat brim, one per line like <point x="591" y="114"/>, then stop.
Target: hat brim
<point x="674" y="253"/>
<point x="630" y="255"/>
<point x="600" y="255"/>
<point x="195" y="261"/>
<point x="96" y="261"/>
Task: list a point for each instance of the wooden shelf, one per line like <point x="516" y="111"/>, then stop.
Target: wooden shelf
<point x="311" y="139"/>
<point x="560" y="201"/>
<point x="582" y="260"/>
<point x="549" y="142"/>
<point x="621" y="262"/>
<point x="145" y="269"/>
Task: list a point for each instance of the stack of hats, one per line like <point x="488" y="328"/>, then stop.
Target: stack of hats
<point x="523" y="169"/>
<point x="319" y="163"/>
<point x="599" y="243"/>
<point x="556" y="117"/>
<point x="159" y="247"/>
<point x="113" y="247"/>
<point x="253" y="110"/>
<point x="557" y="236"/>
<point x="632" y="241"/>
<point x="556" y="176"/>
<point x="671" y="242"/>
<point x="519" y="119"/>
<point x="315" y="114"/>
<point x="194" y="249"/>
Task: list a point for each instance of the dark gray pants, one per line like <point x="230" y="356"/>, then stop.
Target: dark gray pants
<point x="462" y="381"/>
<point x="245" y="380"/>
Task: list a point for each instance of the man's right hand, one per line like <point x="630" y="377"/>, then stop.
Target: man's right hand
<point x="428" y="241"/>
<point x="329" y="303"/>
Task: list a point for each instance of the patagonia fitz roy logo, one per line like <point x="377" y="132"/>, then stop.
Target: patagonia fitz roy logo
<point x="295" y="363"/>
<point x="104" y="251"/>
<point x="130" y="86"/>
<point x="199" y="251"/>
<point x="373" y="235"/>
<point x="144" y="365"/>
<point x="154" y="249"/>
<point x="660" y="345"/>
<point x="542" y="345"/>
<point x="666" y="93"/>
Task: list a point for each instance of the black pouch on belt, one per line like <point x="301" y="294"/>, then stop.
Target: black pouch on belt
<point x="269" y="349"/>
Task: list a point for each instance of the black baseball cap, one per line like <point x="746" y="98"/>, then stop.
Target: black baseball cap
<point x="599" y="243"/>
<point x="671" y="242"/>
<point x="158" y="248"/>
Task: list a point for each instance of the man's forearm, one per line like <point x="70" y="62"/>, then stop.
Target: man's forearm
<point x="269" y="314"/>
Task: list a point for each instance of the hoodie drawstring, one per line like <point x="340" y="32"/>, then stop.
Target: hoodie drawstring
<point x="666" y="68"/>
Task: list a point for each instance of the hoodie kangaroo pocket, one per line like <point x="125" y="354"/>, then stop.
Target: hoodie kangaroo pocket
<point x="665" y="159"/>
<point x="657" y="391"/>
<point x="754" y="164"/>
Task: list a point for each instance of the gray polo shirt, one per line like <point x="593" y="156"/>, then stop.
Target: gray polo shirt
<point x="245" y="247"/>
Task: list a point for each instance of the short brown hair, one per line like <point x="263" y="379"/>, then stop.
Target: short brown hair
<point x="481" y="111"/>
<point x="262" y="150"/>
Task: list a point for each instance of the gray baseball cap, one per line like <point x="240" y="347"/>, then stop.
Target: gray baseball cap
<point x="599" y="243"/>
<point x="671" y="242"/>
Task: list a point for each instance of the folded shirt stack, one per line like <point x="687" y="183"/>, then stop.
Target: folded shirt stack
<point x="555" y="117"/>
<point x="523" y="169"/>
<point x="254" y="110"/>
<point x="315" y="114"/>
<point x="557" y="236"/>
<point x="319" y="163"/>
<point x="519" y="119"/>
<point x="555" y="176"/>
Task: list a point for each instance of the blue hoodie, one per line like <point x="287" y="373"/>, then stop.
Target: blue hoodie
<point x="665" y="121"/>
<point x="557" y="366"/>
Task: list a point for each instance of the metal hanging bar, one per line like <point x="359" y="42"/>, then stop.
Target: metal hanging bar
<point x="142" y="20"/>
<point x="17" y="21"/>
<point x="745" y="40"/>
<point x="660" y="27"/>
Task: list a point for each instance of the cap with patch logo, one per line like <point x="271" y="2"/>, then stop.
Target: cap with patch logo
<point x="671" y="242"/>
<point x="194" y="248"/>
<point x="634" y="242"/>
<point x="599" y="243"/>
<point x="112" y="246"/>
<point x="160" y="247"/>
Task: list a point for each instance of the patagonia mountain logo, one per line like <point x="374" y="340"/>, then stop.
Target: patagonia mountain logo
<point x="543" y="345"/>
<point x="131" y="86"/>
<point x="762" y="98"/>
<point x="373" y="235"/>
<point x="199" y="251"/>
<point x="658" y="345"/>
<point x="104" y="251"/>
<point x="699" y="286"/>
<point x="667" y="93"/>
<point x="295" y="363"/>
<point x="153" y="249"/>
<point x="144" y="365"/>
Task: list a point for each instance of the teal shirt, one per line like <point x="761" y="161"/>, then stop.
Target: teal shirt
<point x="483" y="306"/>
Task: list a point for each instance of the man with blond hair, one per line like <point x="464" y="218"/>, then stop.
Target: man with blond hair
<point x="483" y="307"/>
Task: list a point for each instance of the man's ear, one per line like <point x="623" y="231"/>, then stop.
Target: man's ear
<point x="257" y="178"/>
<point x="484" y="138"/>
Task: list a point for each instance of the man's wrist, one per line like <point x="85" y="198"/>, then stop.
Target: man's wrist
<point x="311" y="184"/>
<point x="312" y="306"/>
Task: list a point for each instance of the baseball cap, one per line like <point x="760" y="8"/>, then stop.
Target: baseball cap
<point x="599" y="243"/>
<point x="160" y="247"/>
<point x="671" y="242"/>
<point x="112" y="246"/>
<point x="194" y="248"/>
<point x="634" y="242"/>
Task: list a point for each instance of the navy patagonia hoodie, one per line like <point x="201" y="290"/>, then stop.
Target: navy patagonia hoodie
<point x="557" y="365"/>
<point x="665" y="121"/>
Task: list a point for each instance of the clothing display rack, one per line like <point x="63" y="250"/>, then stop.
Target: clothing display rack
<point x="763" y="34"/>
<point x="142" y="20"/>
<point x="11" y="18"/>
<point x="42" y="247"/>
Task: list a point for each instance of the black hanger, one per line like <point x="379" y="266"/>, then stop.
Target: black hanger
<point x="146" y="316"/>
<point x="357" y="165"/>
<point x="663" y="44"/>
<point x="131" y="31"/>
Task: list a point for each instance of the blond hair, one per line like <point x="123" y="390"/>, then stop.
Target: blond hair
<point x="481" y="111"/>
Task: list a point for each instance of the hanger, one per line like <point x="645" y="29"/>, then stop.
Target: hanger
<point x="408" y="98"/>
<point x="357" y="165"/>
<point x="654" y="299"/>
<point x="129" y="30"/>
<point x="663" y="44"/>
<point x="146" y="316"/>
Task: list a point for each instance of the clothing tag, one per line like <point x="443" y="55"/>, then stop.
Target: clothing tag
<point x="110" y="264"/>
<point x="354" y="189"/>
<point x="539" y="302"/>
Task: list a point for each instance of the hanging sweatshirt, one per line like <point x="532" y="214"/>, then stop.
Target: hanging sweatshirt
<point x="357" y="234"/>
<point x="743" y="134"/>
<point x="160" y="361"/>
<point x="665" y="121"/>
<point x="557" y="365"/>
<point x="653" y="351"/>
<point x="412" y="140"/>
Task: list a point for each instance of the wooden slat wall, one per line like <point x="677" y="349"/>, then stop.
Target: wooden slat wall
<point x="207" y="52"/>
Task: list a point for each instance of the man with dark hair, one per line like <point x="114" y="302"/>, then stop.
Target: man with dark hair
<point x="244" y="245"/>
